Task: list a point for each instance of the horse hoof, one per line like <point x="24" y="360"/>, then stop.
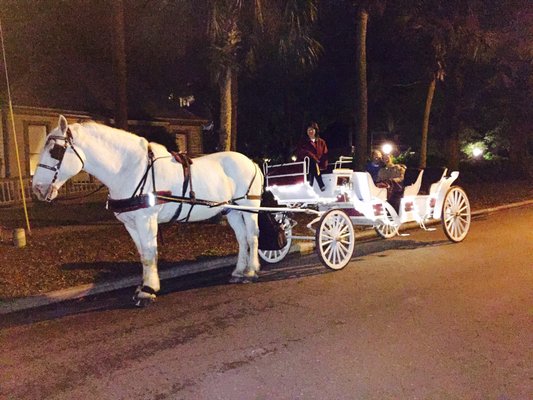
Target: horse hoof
<point x="251" y="279"/>
<point x="142" y="302"/>
<point x="236" y="279"/>
<point x="244" y="279"/>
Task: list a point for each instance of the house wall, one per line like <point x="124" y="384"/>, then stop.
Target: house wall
<point x="26" y="116"/>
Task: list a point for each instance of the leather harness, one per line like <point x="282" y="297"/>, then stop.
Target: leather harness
<point x="146" y="200"/>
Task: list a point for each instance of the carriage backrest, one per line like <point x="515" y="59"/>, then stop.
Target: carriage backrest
<point x="285" y="174"/>
<point x="412" y="181"/>
<point x="431" y="175"/>
<point x="365" y="188"/>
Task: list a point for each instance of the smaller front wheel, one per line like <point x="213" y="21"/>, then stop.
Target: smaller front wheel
<point x="456" y="214"/>
<point x="335" y="239"/>
<point x="387" y="227"/>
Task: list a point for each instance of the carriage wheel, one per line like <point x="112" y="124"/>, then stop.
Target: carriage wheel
<point x="389" y="228"/>
<point x="274" y="256"/>
<point x="335" y="239"/>
<point x="456" y="214"/>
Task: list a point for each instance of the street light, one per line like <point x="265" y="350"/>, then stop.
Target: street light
<point x="477" y="152"/>
<point x="387" y="148"/>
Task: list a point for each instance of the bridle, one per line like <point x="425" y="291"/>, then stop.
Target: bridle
<point x="58" y="153"/>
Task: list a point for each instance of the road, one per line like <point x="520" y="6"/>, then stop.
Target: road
<point x="410" y="318"/>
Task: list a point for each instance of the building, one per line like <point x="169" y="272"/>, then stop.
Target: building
<point x="82" y="91"/>
<point x="38" y="100"/>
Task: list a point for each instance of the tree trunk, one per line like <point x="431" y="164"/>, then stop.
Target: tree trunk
<point x="225" y="111"/>
<point x="425" y="124"/>
<point x="119" y="62"/>
<point x="518" y="155"/>
<point x="453" y="150"/>
<point x="234" y="108"/>
<point x="362" y="95"/>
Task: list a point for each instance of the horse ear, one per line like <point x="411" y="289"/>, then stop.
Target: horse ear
<point x="63" y="124"/>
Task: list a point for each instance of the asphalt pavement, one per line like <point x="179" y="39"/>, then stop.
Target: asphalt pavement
<point x="92" y="289"/>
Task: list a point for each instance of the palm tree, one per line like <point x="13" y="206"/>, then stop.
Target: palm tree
<point x="236" y="30"/>
<point x="361" y="143"/>
<point x="119" y="62"/>
<point x="364" y="9"/>
<point x="455" y="38"/>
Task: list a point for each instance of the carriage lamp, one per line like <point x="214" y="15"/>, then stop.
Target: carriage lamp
<point x="387" y="148"/>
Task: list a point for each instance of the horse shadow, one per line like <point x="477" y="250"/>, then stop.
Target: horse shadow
<point x="294" y="266"/>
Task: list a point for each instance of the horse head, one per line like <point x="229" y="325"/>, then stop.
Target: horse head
<point x="59" y="161"/>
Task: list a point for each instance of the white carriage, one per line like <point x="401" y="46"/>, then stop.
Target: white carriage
<point x="351" y="198"/>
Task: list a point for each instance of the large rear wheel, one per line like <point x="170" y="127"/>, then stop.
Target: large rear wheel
<point x="456" y="214"/>
<point x="275" y="256"/>
<point x="335" y="239"/>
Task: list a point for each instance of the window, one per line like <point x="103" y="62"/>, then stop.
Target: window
<point x="182" y="141"/>
<point x="36" y="140"/>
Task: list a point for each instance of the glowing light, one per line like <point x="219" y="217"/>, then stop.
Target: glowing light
<point x="151" y="199"/>
<point x="387" y="148"/>
<point x="477" y="152"/>
<point x="293" y="158"/>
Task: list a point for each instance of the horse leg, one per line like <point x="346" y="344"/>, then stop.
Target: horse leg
<point x="144" y="235"/>
<point x="236" y="221"/>
<point x="252" y="237"/>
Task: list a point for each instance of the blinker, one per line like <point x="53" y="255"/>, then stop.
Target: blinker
<point x="57" y="152"/>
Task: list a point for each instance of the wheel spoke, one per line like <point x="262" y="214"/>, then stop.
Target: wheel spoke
<point x="343" y="251"/>
<point x="328" y="249"/>
<point x="337" y="256"/>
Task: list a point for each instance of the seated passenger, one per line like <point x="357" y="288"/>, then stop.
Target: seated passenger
<point x="374" y="165"/>
<point x="392" y="175"/>
<point x="315" y="148"/>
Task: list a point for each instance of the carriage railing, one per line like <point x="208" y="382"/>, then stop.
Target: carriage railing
<point x="343" y="162"/>
<point x="11" y="193"/>
<point x="286" y="173"/>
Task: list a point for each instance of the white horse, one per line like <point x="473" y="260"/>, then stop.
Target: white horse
<point x="140" y="176"/>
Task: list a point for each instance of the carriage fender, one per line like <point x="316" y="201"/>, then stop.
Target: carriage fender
<point x="444" y="186"/>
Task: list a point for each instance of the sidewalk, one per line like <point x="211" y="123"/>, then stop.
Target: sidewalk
<point x="87" y="290"/>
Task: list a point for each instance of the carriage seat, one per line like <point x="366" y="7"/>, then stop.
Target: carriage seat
<point x="412" y="181"/>
<point x="431" y="179"/>
<point x="366" y="189"/>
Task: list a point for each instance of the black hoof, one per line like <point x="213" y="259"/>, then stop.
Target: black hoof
<point x="251" y="279"/>
<point x="244" y="279"/>
<point x="142" y="302"/>
<point x="236" y="279"/>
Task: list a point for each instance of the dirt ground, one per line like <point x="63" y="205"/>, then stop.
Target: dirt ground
<point x="74" y="242"/>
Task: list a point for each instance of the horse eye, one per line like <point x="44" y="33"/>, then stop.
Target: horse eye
<point x="57" y="152"/>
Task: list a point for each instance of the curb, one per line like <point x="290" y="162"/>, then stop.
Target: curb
<point x="86" y="290"/>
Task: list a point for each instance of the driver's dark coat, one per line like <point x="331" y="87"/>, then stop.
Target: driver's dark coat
<point x="316" y="151"/>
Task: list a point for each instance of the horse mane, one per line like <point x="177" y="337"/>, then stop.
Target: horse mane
<point x="112" y="141"/>
<point x="114" y="136"/>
